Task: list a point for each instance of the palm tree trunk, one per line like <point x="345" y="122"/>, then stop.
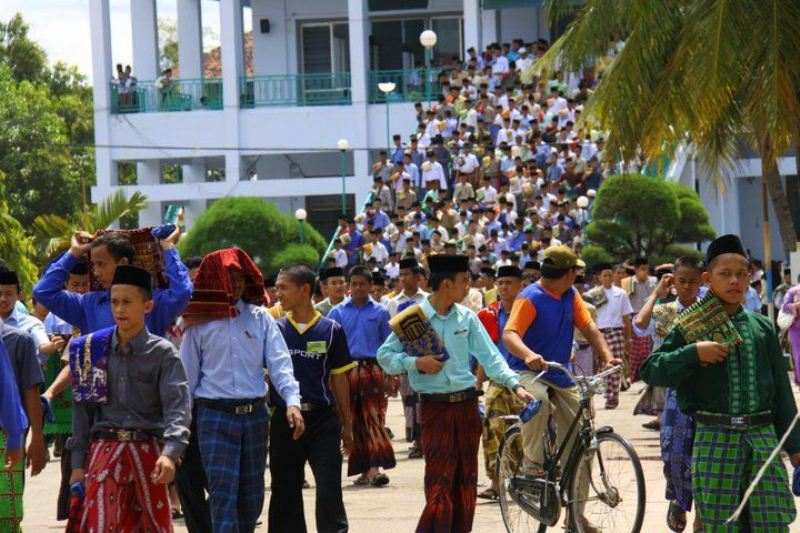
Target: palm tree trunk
<point x="780" y="203"/>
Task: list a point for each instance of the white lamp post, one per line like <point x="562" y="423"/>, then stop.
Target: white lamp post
<point x="387" y="87"/>
<point x="301" y="217"/>
<point x="428" y="39"/>
<point x="343" y="145"/>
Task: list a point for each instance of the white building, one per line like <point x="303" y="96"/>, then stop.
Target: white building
<point x="316" y="66"/>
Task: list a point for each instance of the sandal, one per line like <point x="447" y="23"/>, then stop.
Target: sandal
<point x="361" y="481"/>
<point x="414" y="453"/>
<point x="488" y="494"/>
<point x="676" y="517"/>
<point x="379" y="481"/>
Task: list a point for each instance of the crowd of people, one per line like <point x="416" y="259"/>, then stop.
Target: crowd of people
<point x="453" y="289"/>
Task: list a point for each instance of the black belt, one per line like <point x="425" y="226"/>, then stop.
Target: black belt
<point x="739" y="423"/>
<point x="611" y="329"/>
<point x="234" y="407"/>
<point x="123" y="435"/>
<point x="306" y="407"/>
<point x="452" y="397"/>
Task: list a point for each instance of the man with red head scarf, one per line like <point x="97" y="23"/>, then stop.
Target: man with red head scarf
<point x="230" y="339"/>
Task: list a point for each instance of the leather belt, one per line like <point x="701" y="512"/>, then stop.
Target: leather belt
<point x="452" y="397"/>
<point x="738" y="423"/>
<point x="123" y="435"/>
<point x="306" y="407"/>
<point x="234" y="407"/>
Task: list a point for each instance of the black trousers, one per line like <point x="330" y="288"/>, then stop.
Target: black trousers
<point x="320" y="445"/>
<point x="190" y="480"/>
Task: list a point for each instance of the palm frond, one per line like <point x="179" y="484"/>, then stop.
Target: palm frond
<point x="112" y="209"/>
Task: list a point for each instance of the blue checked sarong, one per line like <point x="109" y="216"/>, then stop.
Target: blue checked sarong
<point x="233" y="449"/>
<point x="677" y="436"/>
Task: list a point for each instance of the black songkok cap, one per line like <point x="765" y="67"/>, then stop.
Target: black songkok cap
<point x="533" y="265"/>
<point x="447" y="264"/>
<point x="331" y="273"/>
<point x="408" y="262"/>
<point x="488" y="271"/>
<point x="727" y="244"/>
<point x="131" y="275"/>
<point x="81" y="268"/>
<point x="509" y="272"/>
<point x="8" y="277"/>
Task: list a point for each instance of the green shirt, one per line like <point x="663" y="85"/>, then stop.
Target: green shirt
<point x="752" y="379"/>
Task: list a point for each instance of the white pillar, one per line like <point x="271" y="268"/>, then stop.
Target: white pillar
<point x="190" y="39"/>
<point x="144" y="31"/>
<point x="232" y="51"/>
<point x="150" y="215"/>
<point x="148" y="172"/>
<point x="472" y="25"/>
<point x="489" y="29"/>
<point x="358" y="135"/>
<point x="194" y="172"/>
<point x="233" y="168"/>
<point x="102" y="72"/>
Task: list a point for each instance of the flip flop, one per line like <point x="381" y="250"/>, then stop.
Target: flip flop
<point x="379" y="481"/>
<point x="361" y="481"/>
<point x="488" y="494"/>
<point x="676" y="517"/>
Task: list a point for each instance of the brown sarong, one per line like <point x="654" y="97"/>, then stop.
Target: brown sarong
<point x="372" y="447"/>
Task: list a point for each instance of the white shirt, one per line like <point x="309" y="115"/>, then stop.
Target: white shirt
<point x="379" y="252"/>
<point x="470" y="164"/>
<point x="340" y="258"/>
<point x="488" y="194"/>
<point x="401" y="298"/>
<point x="500" y="66"/>
<point x="610" y="314"/>
<point x="435" y="173"/>
<point x="392" y="270"/>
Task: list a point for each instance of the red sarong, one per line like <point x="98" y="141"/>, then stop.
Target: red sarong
<point x="451" y="433"/>
<point x="640" y="350"/>
<point x="119" y="493"/>
<point x="371" y="444"/>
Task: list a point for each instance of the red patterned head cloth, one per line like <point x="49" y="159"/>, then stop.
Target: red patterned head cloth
<point x="212" y="298"/>
<point x="148" y="256"/>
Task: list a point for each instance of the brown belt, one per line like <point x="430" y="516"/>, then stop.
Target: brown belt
<point x="122" y="435"/>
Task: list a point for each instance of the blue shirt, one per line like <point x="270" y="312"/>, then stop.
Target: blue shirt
<point x="752" y="301"/>
<point x="225" y="359"/>
<point x="366" y="327"/>
<point x="32" y="326"/>
<point x="463" y="335"/>
<point x="12" y="416"/>
<point x="55" y="326"/>
<point x="92" y="311"/>
<point x="318" y="350"/>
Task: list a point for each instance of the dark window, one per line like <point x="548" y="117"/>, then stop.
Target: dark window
<point x="393" y="5"/>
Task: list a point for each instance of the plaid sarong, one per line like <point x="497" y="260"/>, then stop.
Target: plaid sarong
<point x="724" y="463"/>
<point x="61" y="404"/>
<point x="371" y="444"/>
<point x="615" y="338"/>
<point x="677" y="437"/>
<point x="499" y="402"/>
<point x="11" y="486"/>
<point x="640" y="349"/>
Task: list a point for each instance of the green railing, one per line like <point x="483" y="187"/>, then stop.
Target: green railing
<point x="296" y="90"/>
<point x="410" y="85"/>
<point x="177" y="95"/>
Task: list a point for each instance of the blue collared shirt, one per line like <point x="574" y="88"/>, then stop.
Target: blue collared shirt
<point x="225" y="359"/>
<point x="366" y="327"/>
<point x="55" y="326"/>
<point x="92" y="311"/>
<point x="463" y="335"/>
<point x="12" y="416"/>
<point x="32" y="326"/>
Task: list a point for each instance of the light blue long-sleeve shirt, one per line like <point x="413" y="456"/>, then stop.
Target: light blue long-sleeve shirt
<point x="12" y="417"/>
<point x="225" y="359"/>
<point x="366" y="327"/>
<point x="32" y="326"/>
<point x="463" y="335"/>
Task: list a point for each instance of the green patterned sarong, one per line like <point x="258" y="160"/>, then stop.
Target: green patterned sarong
<point x="11" y="486"/>
<point x="62" y="404"/>
<point x="723" y="465"/>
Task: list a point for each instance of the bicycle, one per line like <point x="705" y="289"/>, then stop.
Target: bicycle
<point x="587" y="485"/>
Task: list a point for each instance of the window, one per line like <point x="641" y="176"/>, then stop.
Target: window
<point x="396" y="5"/>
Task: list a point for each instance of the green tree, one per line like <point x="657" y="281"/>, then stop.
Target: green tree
<point x="168" y="37"/>
<point x="712" y="73"/>
<point x="257" y="227"/>
<point x="621" y="229"/>
<point x="17" y="248"/>
<point x="27" y="60"/>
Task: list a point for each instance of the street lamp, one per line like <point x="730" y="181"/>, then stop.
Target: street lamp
<point x="428" y="39"/>
<point x="301" y="216"/>
<point x="387" y="87"/>
<point x="343" y="145"/>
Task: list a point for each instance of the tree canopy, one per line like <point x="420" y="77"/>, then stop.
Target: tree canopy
<point x="270" y="237"/>
<point x="621" y="229"/>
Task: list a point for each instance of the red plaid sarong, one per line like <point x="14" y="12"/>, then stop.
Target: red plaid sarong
<point x="451" y="433"/>
<point x="371" y="444"/>
<point x="640" y="350"/>
<point x="119" y="493"/>
<point x="615" y="338"/>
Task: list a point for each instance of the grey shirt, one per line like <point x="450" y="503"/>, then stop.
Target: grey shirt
<point x="22" y="355"/>
<point x="147" y="391"/>
<point x="641" y="292"/>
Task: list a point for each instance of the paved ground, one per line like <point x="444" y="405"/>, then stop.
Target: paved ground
<point x="395" y="508"/>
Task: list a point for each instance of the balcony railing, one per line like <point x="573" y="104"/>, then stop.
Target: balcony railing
<point x="177" y="95"/>
<point x="296" y="90"/>
<point x="410" y="85"/>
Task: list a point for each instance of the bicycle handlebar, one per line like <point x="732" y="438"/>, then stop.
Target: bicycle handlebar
<point x="552" y="365"/>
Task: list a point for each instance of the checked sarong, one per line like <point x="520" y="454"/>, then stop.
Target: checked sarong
<point x="11" y="486"/>
<point x="724" y="463"/>
<point x="499" y="402"/>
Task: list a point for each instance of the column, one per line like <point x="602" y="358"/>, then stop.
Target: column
<point x="489" y="19"/>
<point x="144" y="32"/>
<point x="190" y="39"/>
<point x="103" y="73"/>
<point x="472" y="25"/>
<point x="233" y="167"/>
<point x="358" y="135"/>
<point x="150" y="215"/>
<point x="232" y="51"/>
<point x="195" y="172"/>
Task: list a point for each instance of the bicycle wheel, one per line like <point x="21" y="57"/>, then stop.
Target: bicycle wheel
<point x="509" y="463"/>
<point x="607" y="487"/>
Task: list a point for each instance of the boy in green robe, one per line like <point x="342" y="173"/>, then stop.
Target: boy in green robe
<point x="730" y="374"/>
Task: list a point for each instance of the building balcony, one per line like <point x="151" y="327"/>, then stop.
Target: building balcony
<point x="296" y="90"/>
<point x="413" y="85"/>
<point x="176" y="95"/>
